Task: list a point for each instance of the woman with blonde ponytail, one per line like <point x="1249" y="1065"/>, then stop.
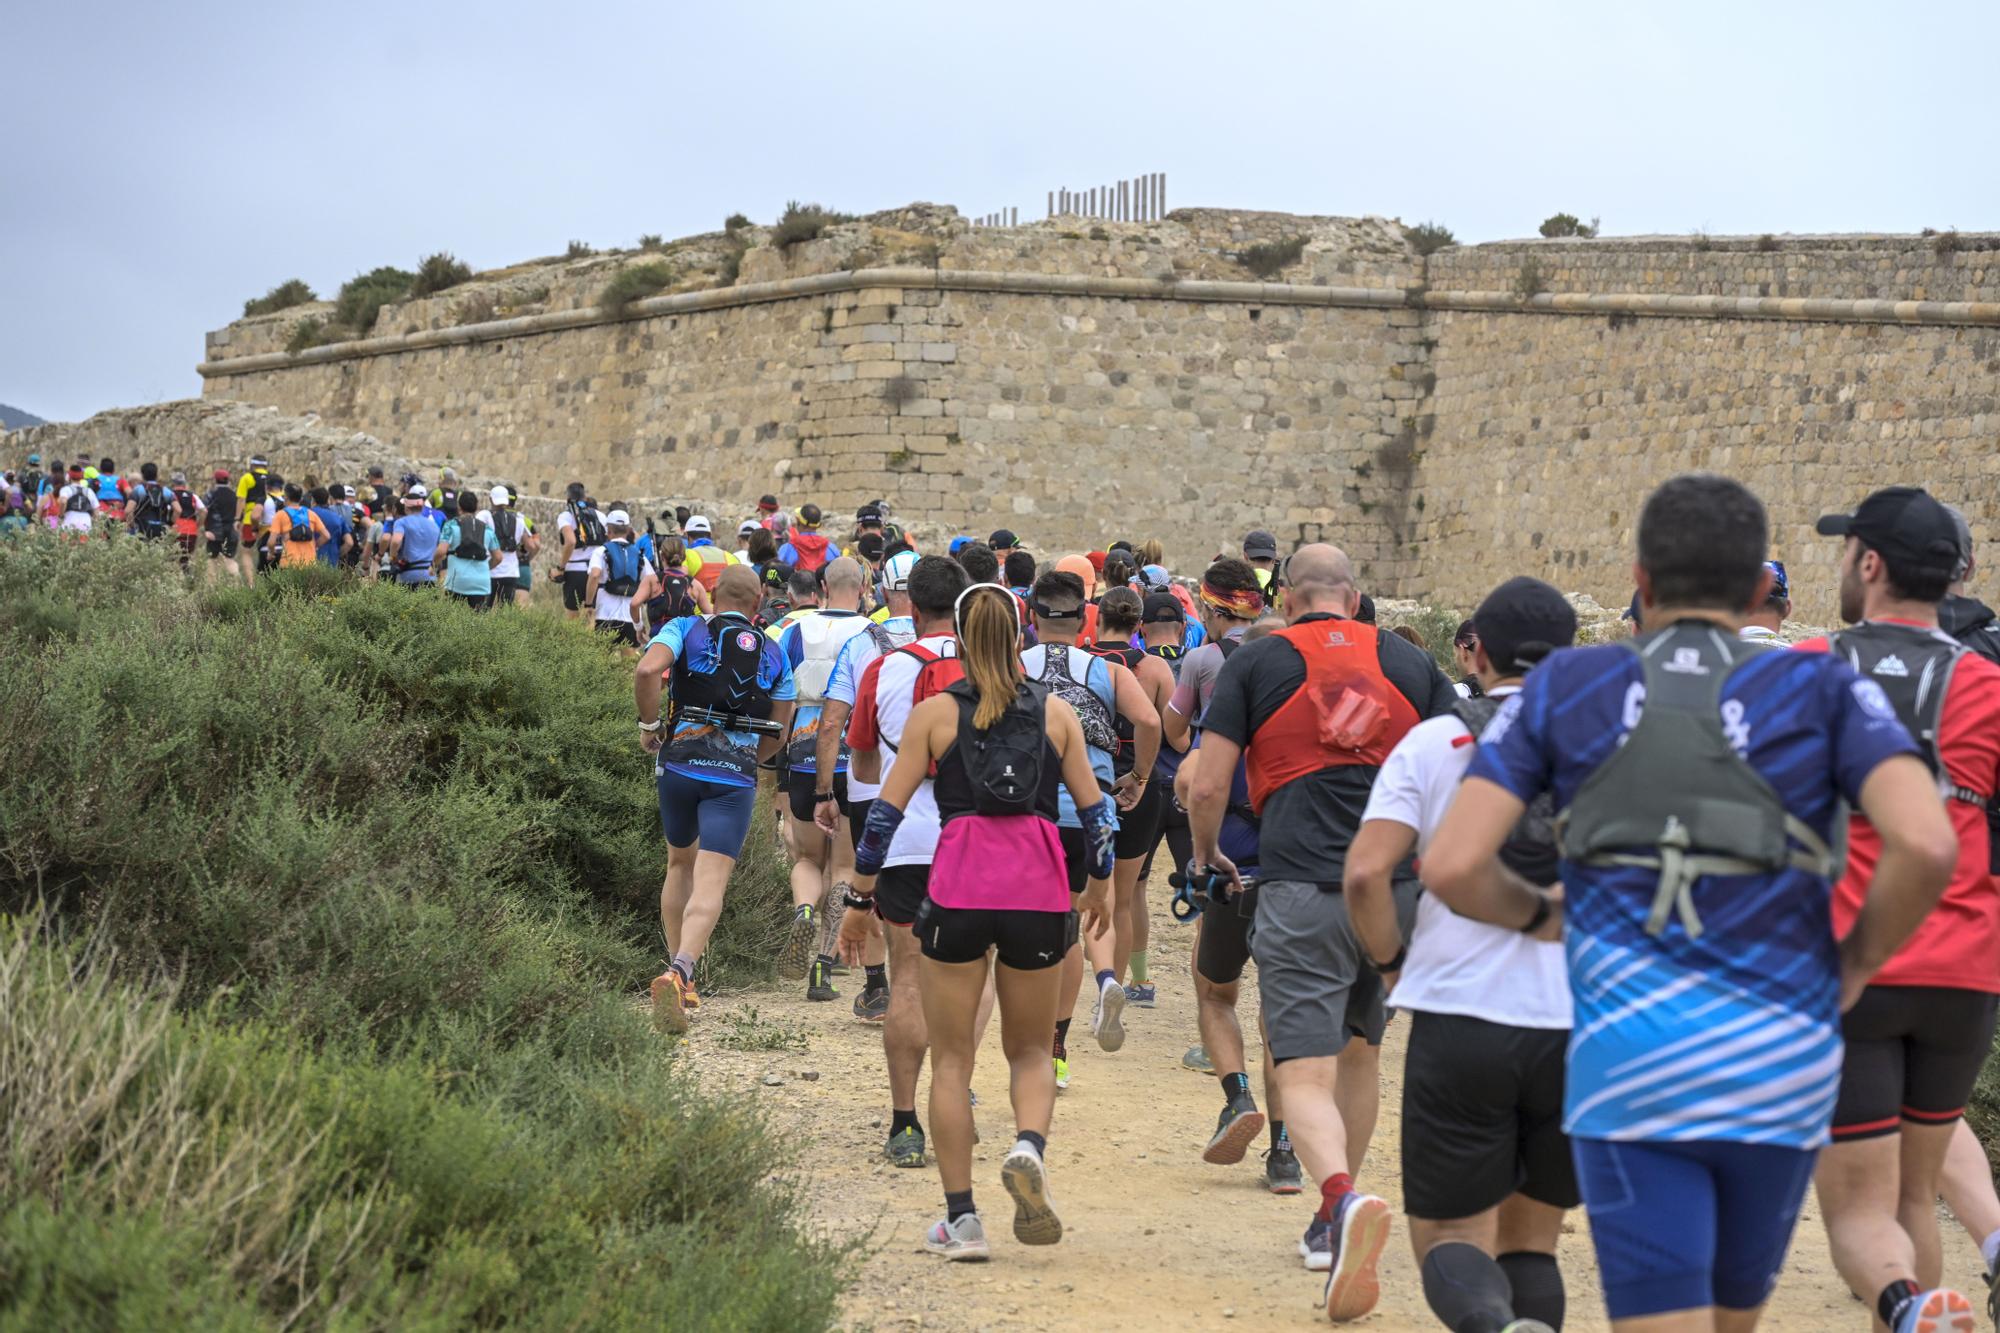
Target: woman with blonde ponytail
<point x="1001" y="747"/>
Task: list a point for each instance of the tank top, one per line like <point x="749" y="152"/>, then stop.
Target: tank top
<point x="1008" y="863"/>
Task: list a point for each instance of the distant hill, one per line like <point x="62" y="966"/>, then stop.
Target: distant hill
<point x="13" y="418"/>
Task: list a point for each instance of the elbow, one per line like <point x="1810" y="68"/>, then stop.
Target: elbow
<point x="1936" y="852"/>
<point x="1446" y="873"/>
<point x="1363" y="879"/>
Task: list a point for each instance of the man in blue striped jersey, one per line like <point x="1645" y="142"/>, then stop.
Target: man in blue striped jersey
<point x="1700" y="779"/>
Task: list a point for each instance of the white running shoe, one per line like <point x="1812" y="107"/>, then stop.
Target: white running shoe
<point x="1106" y="1020"/>
<point x="1027" y="1180"/>
<point x="960" y="1241"/>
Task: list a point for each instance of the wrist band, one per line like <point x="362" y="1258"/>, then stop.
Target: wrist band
<point x="1394" y="964"/>
<point x="1544" y="908"/>
<point x="819" y="796"/>
<point x="654" y="725"/>
<point x="859" y="902"/>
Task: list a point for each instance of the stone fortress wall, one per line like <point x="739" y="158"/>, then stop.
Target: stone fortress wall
<point x="1444" y="427"/>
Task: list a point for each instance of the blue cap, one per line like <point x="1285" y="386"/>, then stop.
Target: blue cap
<point x="1780" y="586"/>
<point x="34" y="460"/>
<point x="959" y="544"/>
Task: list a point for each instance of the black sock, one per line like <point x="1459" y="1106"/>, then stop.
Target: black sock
<point x="1280" y="1139"/>
<point x="1040" y="1142"/>
<point x="1894" y="1296"/>
<point x="1062" y="1037"/>
<point x="878" y="977"/>
<point x="1537" y="1284"/>
<point x="902" y="1120"/>
<point x="957" y="1203"/>
<point x="1235" y="1086"/>
<point x="1466" y="1289"/>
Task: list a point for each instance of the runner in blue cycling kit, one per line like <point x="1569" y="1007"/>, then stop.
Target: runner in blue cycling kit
<point x="1700" y="780"/>
<point x="732" y="697"/>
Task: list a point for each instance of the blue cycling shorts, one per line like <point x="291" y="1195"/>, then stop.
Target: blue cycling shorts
<point x="1684" y="1226"/>
<point x="717" y="813"/>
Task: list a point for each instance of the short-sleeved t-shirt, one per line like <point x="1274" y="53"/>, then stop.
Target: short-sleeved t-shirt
<point x="700" y="749"/>
<point x="1958" y="943"/>
<point x="468" y="578"/>
<point x="1309" y="822"/>
<point x="420" y="543"/>
<point x="801" y="750"/>
<point x="510" y="561"/>
<point x="337" y="527"/>
<point x="845" y="683"/>
<point x="611" y="608"/>
<point x="1734" y="1035"/>
<point x="882" y="708"/>
<point x="299" y="553"/>
<point x="1196" y="681"/>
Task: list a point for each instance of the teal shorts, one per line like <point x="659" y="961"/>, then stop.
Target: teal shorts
<point x="527" y="576"/>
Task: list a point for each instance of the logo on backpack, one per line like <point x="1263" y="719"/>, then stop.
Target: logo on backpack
<point x="1003" y="763"/>
<point x="1891" y="665"/>
<point x="746" y="641"/>
<point x="1685" y="662"/>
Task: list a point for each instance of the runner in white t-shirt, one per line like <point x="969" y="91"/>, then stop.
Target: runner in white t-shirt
<point x="1487" y="1172"/>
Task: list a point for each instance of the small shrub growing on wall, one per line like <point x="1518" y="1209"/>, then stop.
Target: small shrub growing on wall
<point x="439" y="272"/>
<point x="632" y="284"/>
<point x="1268" y="258"/>
<point x="1566" y="224"/>
<point x="730" y="267"/>
<point x="1528" y="282"/>
<point x="281" y="297"/>
<point x="1946" y="243"/>
<point x="1767" y="242"/>
<point x="306" y="333"/>
<point x="651" y="241"/>
<point x="734" y="223"/>
<point x="363" y="296"/>
<point x="1427" y="238"/>
<point x="804" y="222"/>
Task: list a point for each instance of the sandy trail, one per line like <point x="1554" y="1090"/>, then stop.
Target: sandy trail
<point x="1154" y="1237"/>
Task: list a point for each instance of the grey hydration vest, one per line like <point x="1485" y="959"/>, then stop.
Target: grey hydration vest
<point x="1530" y="850"/>
<point x="1676" y="797"/>
<point x="1913" y="665"/>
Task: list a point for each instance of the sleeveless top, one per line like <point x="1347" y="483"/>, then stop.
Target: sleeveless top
<point x="1008" y="863"/>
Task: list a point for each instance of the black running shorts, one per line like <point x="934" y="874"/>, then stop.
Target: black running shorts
<point x="1482" y="1116"/>
<point x="624" y="631"/>
<point x="801" y="789"/>
<point x="1913" y="1053"/>
<point x="576" y="582"/>
<point x="1224" y="947"/>
<point x="1139" y="827"/>
<point x="224" y="547"/>
<point x="1024" y="941"/>
<point x="1076" y="858"/>
<point x="900" y="891"/>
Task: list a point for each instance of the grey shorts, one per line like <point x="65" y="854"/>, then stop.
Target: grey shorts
<point x="1317" y="991"/>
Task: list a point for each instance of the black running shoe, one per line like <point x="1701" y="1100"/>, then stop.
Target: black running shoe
<point x="800" y="938"/>
<point x="819" y="983"/>
<point x="1281" y="1172"/>
<point x="905" y="1148"/>
<point x="1235" y="1130"/>
<point x="872" y="1006"/>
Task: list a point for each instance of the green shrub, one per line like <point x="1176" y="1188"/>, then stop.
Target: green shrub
<point x="1767" y="242"/>
<point x="310" y="332"/>
<point x="730" y="267"/>
<point x="579" y="250"/>
<point x="1528" y="281"/>
<point x="1437" y="626"/>
<point x="804" y="222"/>
<point x="631" y="284"/>
<point x="1427" y="238"/>
<point x="363" y="296"/>
<point x="1946" y="243"/>
<point x="1267" y="259"/>
<point x="651" y="241"/>
<point x="734" y="223"/>
<point x="439" y="272"/>
<point x="284" y="296"/>
<point x="1567" y="224"/>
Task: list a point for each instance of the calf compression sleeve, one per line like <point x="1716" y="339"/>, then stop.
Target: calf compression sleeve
<point x="1465" y="1289"/>
<point x="1100" y="833"/>
<point x="873" y="849"/>
<point x="1537" y="1284"/>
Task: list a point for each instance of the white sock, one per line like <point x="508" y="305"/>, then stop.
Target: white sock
<point x="1990" y="1248"/>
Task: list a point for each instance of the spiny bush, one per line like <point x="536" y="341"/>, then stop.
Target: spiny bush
<point x="631" y="284"/>
<point x="1946" y="243"/>
<point x="804" y="222"/>
<point x="1427" y="238"/>
<point x="439" y="272"/>
<point x="363" y="296"/>
<point x="579" y="250"/>
<point x="284" y="296"/>
<point x="1567" y="224"/>
<point x="651" y="241"/>
<point x="1267" y="259"/>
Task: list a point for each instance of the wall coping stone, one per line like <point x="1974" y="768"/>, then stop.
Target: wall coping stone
<point x="1086" y="285"/>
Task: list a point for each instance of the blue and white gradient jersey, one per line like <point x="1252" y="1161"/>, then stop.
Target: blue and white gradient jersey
<point x="1734" y="1036"/>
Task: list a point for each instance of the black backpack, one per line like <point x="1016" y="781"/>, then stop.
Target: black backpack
<point x="79" y="500"/>
<point x="221" y="510"/>
<point x="589" y="527"/>
<point x="1003" y="764"/>
<point x="31" y="485"/>
<point x="149" y="514"/>
<point x="471" y="539"/>
<point x="1532" y="849"/>
<point x="507" y="528"/>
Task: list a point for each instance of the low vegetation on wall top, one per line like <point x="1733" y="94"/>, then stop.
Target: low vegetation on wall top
<point x="1567" y="224"/>
<point x="635" y="283"/>
<point x="1267" y="259"/>
<point x="437" y="273"/>
<point x="284" y="296"/>
<point x="804" y="222"/>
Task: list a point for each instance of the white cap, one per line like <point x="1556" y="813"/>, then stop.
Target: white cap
<point x="417" y="493"/>
<point x="499" y="496"/>
<point x="698" y="523"/>
<point x="747" y="525"/>
<point x="618" y="518"/>
<point x="896" y="573"/>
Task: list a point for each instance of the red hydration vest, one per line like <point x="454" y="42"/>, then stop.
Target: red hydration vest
<point x="1346" y="713"/>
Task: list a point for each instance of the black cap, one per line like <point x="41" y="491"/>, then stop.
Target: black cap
<point x="1364" y="610"/>
<point x="1466" y="636"/>
<point x="870" y="545"/>
<point x="1260" y="545"/>
<point x="1002" y="540"/>
<point x="1159" y="607"/>
<point x="1521" y="622"/>
<point x="868" y="513"/>
<point x="1905" y="524"/>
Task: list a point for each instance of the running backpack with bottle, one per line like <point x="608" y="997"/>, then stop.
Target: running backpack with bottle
<point x="471" y="540"/>
<point x="1003" y="762"/>
<point x="150" y="512"/>
<point x="301" y="529"/>
<point x="589" y="526"/>
<point x="507" y="530"/>
<point x="621" y="568"/>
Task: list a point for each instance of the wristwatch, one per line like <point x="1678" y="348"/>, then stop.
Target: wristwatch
<point x="821" y="797"/>
<point x="1545" y="907"/>
<point x="1394" y="964"/>
<point x="858" y="902"/>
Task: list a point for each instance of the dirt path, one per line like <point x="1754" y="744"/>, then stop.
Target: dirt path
<point x="1154" y="1237"/>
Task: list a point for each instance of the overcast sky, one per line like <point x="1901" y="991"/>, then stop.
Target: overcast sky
<point x="160" y="163"/>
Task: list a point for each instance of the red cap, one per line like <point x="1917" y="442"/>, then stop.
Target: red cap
<point x="222" y="474"/>
<point x="1096" y="559"/>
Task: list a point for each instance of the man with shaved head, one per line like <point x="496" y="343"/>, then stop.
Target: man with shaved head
<point x="821" y="861"/>
<point x="1312" y="710"/>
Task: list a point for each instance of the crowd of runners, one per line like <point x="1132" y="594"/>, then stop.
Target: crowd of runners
<point x="1681" y="925"/>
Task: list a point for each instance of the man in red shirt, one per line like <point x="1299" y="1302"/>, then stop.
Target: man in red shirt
<point x="1919" y="1032"/>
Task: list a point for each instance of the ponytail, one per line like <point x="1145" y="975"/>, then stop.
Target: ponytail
<point x="989" y="636"/>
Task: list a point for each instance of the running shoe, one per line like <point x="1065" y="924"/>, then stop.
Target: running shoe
<point x="819" y="983"/>
<point x="1027" y="1180"/>
<point x="1360" y="1232"/>
<point x="1105" y="1024"/>
<point x="670" y="1007"/>
<point x="1993" y="1299"/>
<point x="1197" y="1060"/>
<point x="1938" y="1311"/>
<point x="1062" y="1073"/>
<point x="960" y="1241"/>
<point x="872" y="1006"/>
<point x="1527" y="1326"/>
<point x="800" y="939"/>
<point x="1235" y="1130"/>
<point x="1281" y="1171"/>
<point x="1142" y="994"/>
<point x="1316" y="1246"/>
<point x="905" y="1148"/>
